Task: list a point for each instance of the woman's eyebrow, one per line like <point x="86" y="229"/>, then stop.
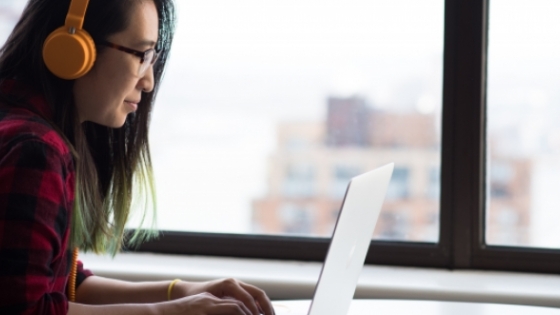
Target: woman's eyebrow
<point x="149" y="43"/>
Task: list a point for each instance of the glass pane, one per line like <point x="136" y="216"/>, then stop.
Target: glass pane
<point x="10" y="11"/>
<point x="269" y="108"/>
<point x="523" y="160"/>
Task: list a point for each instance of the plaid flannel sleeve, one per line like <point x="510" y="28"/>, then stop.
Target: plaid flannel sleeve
<point x="34" y="221"/>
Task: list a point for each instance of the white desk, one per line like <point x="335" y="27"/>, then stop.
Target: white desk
<point x="408" y="307"/>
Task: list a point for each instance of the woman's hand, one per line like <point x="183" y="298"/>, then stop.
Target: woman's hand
<point x="204" y="304"/>
<point x="225" y="292"/>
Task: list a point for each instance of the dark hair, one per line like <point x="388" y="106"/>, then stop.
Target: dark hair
<point x="110" y="163"/>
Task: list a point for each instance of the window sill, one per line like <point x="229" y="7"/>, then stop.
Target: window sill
<point x="284" y="280"/>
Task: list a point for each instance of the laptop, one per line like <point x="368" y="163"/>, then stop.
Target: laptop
<point x="349" y="245"/>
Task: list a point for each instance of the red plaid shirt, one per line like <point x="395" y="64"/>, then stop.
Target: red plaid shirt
<point x="36" y="202"/>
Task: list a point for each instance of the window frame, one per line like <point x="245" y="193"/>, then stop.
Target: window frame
<point x="462" y="194"/>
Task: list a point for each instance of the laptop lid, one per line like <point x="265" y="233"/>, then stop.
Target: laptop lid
<point x="350" y="242"/>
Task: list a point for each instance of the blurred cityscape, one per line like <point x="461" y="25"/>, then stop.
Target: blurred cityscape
<point x="309" y="172"/>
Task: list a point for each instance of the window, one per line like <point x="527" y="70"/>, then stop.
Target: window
<point x="268" y="104"/>
<point x="433" y="183"/>
<point x="296" y="219"/>
<point x="342" y="174"/>
<point x="399" y="185"/>
<point x="523" y="136"/>
<point x="299" y="180"/>
<point x="279" y="104"/>
<point x="268" y="109"/>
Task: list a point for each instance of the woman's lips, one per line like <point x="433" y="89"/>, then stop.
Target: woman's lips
<point x="132" y="104"/>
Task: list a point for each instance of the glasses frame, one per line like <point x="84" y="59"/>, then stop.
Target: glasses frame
<point x="140" y="54"/>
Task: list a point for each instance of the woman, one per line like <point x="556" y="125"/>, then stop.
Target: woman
<point x="71" y="153"/>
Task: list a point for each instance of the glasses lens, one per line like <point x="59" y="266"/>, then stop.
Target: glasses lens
<point x="155" y="57"/>
<point x="148" y="60"/>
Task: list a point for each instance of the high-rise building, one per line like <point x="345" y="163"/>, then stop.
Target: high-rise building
<point x="314" y="161"/>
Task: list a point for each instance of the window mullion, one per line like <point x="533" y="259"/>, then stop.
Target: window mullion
<point x="463" y="116"/>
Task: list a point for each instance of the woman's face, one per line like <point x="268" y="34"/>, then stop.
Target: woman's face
<point x="113" y="88"/>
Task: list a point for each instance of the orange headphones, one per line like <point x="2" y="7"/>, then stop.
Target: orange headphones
<point x="69" y="51"/>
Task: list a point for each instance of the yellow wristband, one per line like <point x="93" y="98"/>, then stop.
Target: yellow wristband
<point x="170" y="288"/>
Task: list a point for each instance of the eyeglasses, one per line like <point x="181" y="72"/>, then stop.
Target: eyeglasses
<point x="147" y="58"/>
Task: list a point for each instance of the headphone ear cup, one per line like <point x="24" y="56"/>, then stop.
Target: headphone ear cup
<point x="69" y="56"/>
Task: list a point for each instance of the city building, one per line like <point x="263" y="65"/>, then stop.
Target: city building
<point x="309" y="172"/>
<point x="314" y="161"/>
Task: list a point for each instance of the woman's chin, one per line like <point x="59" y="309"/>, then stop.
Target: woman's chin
<point x="113" y="123"/>
<point x="118" y="124"/>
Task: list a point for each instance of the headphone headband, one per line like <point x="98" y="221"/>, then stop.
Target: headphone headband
<point x="76" y="14"/>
